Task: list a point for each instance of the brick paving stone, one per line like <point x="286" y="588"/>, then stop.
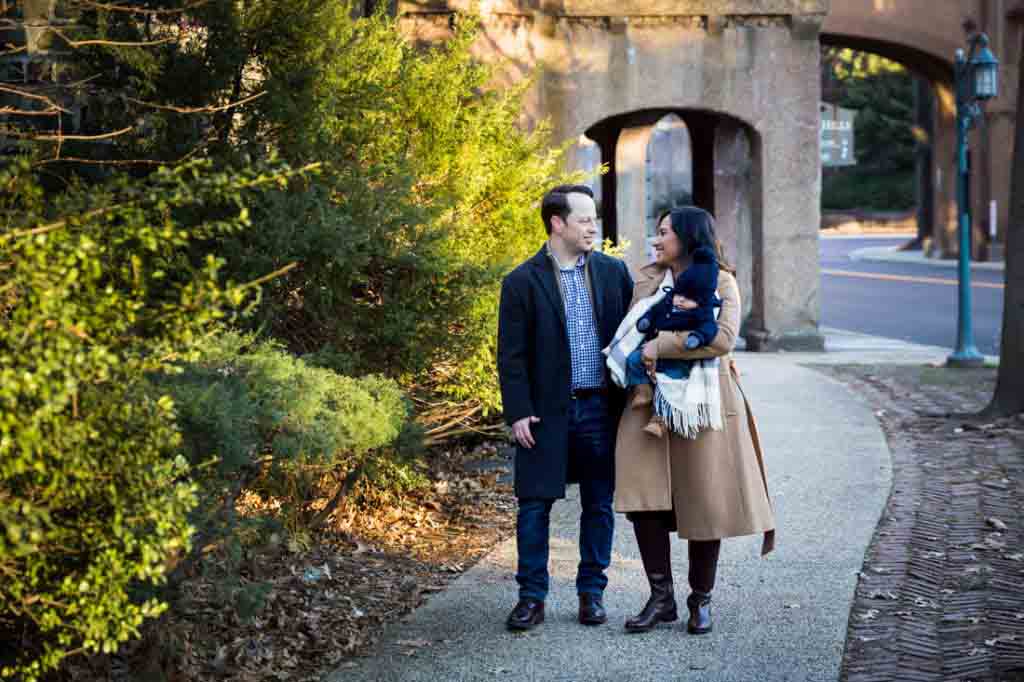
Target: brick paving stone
<point x="941" y="595"/>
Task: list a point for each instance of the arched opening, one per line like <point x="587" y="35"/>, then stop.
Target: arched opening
<point x="934" y="121"/>
<point x="658" y="158"/>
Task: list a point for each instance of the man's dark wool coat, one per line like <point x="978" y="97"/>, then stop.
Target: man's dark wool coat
<point x="535" y="369"/>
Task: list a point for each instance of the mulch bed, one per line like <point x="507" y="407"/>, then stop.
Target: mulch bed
<point x="941" y="593"/>
<point x="326" y="599"/>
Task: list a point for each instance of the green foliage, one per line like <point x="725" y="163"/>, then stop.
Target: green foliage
<point x="428" y="191"/>
<point x="98" y="292"/>
<point x="882" y="93"/>
<point x="288" y="431"/>
<point x="255" y="405"/>
<point x="130" y="421"/>
<point x="853" y="188"/>
<point x="428" y="195"/>
<point x="615" y="250"/>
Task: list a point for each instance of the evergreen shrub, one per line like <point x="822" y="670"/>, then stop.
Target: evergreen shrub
<point x="278" y="420"/>
<point x="99" y="292"/>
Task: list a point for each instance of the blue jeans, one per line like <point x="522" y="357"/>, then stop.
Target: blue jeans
<point x="636" y="372"/>
<point x="590" y="454"/>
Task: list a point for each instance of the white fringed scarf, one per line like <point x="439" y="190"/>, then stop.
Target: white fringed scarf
<point x="689" y="405"/>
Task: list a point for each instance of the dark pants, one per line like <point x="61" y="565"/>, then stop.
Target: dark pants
<point x="636" y="370"/>
<point x="652" y="536"/>
<point x="590" y="455"/>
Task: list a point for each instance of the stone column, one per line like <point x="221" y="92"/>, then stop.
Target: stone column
<point x="735" y="185"/>
<point x="608" y="141"/>
<point x="786" y="280"/>
<point x="924" y="118"/>
<point x="631" y="192"/>
<point x="994" y="138"/>
<point x="997" y="132"/>
<point x="1000" y="132"/>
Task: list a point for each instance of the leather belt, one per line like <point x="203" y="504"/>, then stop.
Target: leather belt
<point x="579" y="393"/>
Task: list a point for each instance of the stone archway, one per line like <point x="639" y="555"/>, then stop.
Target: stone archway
<point x="724" y="176"/>
<point x="612" y="69"/>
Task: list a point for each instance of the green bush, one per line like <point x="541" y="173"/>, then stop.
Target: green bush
<point x="882" y="94"/>
<point x="429" y="193"/>
<point x="288" y="423"/>
<point x="854" y="188"/>
<point x="99" y="291"/>
<point x="256" y="419"/>
<point x="429" y="187"/>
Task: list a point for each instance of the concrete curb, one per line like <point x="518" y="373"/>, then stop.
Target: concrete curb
<point x="864" y="236"/>
<point x="846" y="347"/>
<point x="892" y="254"/>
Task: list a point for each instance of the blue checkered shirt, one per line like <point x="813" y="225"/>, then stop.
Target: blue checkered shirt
<point x="584" y="343"/>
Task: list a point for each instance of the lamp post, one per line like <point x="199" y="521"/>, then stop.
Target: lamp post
<point x="976" y="80"/>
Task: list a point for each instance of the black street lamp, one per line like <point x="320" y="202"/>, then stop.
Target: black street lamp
<point x="976" y="80"/>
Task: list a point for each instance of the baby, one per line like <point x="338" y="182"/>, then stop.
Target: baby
<point x="691" y="308"/>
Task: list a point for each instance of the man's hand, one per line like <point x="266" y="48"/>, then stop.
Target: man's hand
<point x="521" y="430"/>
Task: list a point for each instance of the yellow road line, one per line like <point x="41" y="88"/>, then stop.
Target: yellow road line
<point x="908" y="278"/>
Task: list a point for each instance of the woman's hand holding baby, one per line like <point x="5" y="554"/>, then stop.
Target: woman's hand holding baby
<point x="683" y="303"/>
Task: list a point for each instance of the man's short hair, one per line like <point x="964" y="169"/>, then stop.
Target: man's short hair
<point x="556" y="202"/>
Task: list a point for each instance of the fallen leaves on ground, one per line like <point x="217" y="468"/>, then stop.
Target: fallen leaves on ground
<point x="327" y="598"/>
<point x="940" y="591"/>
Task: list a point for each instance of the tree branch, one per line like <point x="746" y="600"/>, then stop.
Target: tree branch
<point x="16" y="50"/>
<point x="134" y="9"/>
<point x="60" y="137"/>
<point x="107" y="43"/>
<point x="346" y="485"/>
<point x="13" y="111"/>
<point x="21" y="92"/>
<point x="195" y="110"/>
<point x="101" y="162"/>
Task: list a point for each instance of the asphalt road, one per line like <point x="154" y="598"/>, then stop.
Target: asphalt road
<point x="906" y="301"/>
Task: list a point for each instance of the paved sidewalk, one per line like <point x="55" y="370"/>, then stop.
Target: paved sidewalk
<point x="892" y="254"/>
<point x="779" y="618"/>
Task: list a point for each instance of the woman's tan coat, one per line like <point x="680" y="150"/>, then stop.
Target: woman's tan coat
<point x="716" y="483"/>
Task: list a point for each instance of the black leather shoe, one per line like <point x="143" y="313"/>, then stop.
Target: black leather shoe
<point x="660" y="608"/>
<point x="592" y="610"/>
<point x="526" y="614"/>
<point x="699" y="604"/>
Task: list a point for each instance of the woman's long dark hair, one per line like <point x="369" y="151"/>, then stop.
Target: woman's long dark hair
<point x="696" y="228"/>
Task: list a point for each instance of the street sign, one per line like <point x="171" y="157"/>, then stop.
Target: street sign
<point x="837" y="136"/>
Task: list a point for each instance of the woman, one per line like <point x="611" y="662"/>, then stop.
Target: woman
<point x="707" y="488"/>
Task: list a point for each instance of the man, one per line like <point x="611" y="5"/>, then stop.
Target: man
<point x="557" y="311"/>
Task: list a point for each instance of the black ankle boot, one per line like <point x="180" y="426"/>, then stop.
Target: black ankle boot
<point x="699" y="604"/>
<point x="660" y="608"/>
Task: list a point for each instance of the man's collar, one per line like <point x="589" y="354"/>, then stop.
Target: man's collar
<point x="580" y="262"/>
